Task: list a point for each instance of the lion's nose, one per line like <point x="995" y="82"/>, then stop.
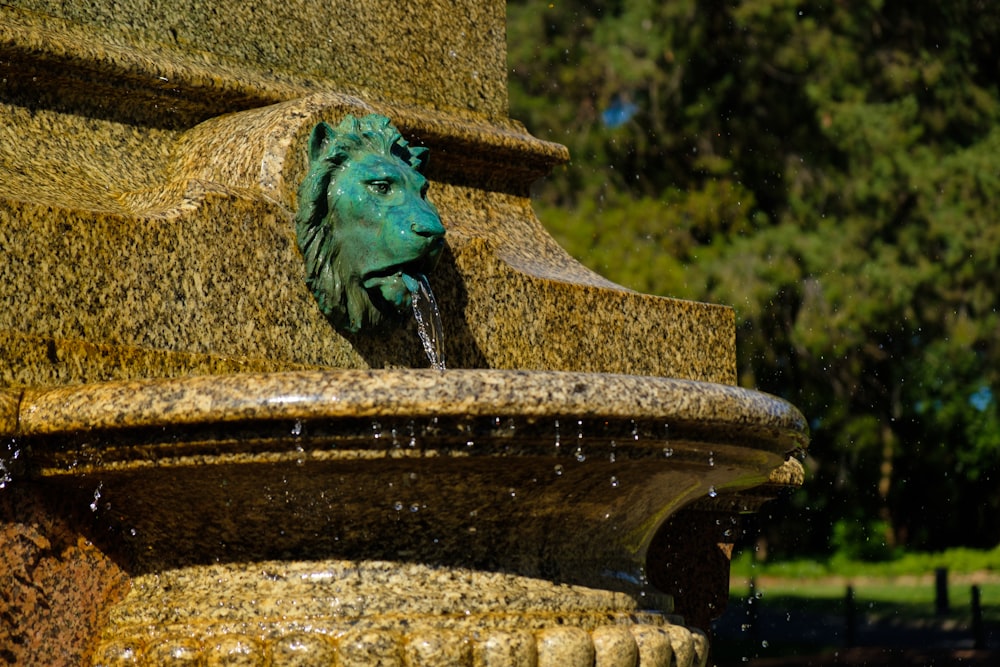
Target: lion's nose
<point x="428" y="226"/>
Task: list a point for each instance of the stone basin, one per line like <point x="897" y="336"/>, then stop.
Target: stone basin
<point x="252" y="506"/>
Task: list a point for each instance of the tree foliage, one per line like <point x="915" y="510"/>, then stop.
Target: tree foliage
<point x="833" y="172"/>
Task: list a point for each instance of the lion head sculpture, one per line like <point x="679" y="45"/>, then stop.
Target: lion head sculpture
<point x="364" y="225"/>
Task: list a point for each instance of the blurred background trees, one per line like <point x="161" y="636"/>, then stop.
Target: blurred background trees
<point x="832" y="171"/>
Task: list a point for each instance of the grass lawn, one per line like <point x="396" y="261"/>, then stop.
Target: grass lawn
<point x="905" y="598"/>
<point x="799" y="608"/>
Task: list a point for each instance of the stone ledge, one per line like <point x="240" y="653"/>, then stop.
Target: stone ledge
<point x="204" y="59"/>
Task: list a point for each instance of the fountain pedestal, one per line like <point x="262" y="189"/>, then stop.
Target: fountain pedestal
<point x="186" y="477"/>
<point x="301" y="512"/>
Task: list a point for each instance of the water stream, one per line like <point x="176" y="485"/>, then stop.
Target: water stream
<point x="429" y="328"/>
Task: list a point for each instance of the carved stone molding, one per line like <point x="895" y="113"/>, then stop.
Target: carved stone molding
<point x="383" y="613"/>
<point x="642" y="645"/>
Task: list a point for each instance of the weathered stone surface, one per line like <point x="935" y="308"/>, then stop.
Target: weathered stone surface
<point x="213" y="280"/>
<point x="443" y="55"/>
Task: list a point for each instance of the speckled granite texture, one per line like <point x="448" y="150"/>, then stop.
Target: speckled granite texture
<point x="338" y="611"/>
<point x="445" y="55"/>
<point x="169" y="415"/>
<point x="56" y="587"/>
<point x="562" y="475"/>
<point x="732" y="414"/>
<point x="159" y="243"/>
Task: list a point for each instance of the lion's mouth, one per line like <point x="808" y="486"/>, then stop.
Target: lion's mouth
<point x="406" y="270"/>
<point x="379" y="278"/>
<point x="395" y="284"/>
<point x="398" y="282"/>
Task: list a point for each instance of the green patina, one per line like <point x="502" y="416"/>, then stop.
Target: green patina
<point x="364" y="225"/>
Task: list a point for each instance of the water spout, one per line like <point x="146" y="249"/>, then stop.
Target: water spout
<point x="428" y="318"/>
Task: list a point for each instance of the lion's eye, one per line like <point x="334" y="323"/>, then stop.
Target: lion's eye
<point x="380" y="187"/>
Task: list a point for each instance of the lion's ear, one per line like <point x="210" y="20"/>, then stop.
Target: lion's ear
<point x="418" y="157"/>
<point x="321" y="136"/>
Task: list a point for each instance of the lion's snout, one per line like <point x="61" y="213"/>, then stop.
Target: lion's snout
<point x="424" y="232"/>
<point x="429" y="227"/>
<point x="426" y="223"/>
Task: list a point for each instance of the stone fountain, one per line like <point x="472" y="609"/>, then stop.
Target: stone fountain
<point x="198" y="467"/>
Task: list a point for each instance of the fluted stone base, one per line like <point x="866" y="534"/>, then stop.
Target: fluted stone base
<point x="339" y="612"/>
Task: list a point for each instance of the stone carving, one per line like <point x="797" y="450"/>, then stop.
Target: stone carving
<point x="364" y="225"/>
<point x="620" y="645"/>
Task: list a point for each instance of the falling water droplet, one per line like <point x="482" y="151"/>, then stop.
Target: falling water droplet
<point x="10" y="467"/>
<point x="429" y="327"/>
<point x="97" y="497"/>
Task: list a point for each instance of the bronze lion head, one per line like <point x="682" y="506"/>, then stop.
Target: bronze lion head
<point x="364" y="225"/>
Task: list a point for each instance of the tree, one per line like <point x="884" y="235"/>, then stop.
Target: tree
<point x="833" y="173"/>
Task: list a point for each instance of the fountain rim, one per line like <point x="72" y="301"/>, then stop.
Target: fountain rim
<point x="400" y="393"/>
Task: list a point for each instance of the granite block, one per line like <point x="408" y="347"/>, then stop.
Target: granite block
<point x="441" y="55"/>
<point x="213" y="272"/>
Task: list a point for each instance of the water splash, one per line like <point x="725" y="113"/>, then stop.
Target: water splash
<point x="429" y="328"/>
<point x="10" y="452"/>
